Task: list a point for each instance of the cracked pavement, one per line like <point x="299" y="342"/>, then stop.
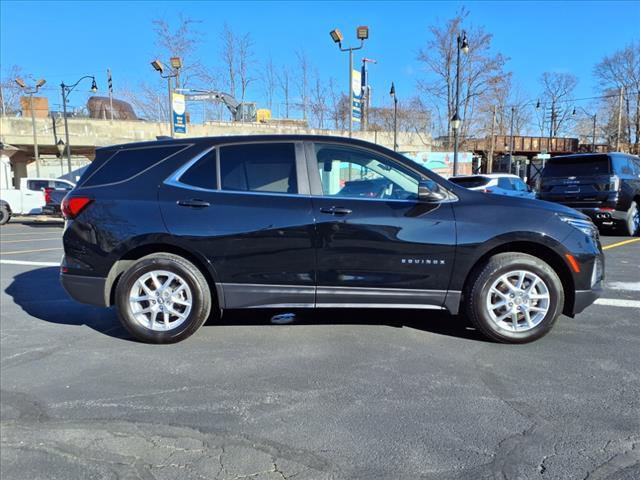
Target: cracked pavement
<point x="334" y="395"/>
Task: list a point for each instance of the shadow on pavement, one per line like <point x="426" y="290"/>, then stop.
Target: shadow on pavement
<point x="54" y="222"/>
<point x="39" y="293"/>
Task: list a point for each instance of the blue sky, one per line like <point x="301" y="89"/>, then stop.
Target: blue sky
<point x="65" y="40"/>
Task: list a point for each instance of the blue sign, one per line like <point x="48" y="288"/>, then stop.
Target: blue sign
<point x="179" y="113"/>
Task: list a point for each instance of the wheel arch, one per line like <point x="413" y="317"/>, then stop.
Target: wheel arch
<point x="538" y="250"/>
<point x="130" y="256"/>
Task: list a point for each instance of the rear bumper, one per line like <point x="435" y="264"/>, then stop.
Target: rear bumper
<point x="90" y="290"/>
<point x="600" y="215"/>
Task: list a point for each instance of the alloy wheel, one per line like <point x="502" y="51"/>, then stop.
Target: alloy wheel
<point x="160" y="300"/>
<point x="518" y="301"/>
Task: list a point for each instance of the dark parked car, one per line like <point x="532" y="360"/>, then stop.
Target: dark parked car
<point x="606" y="187"/>
<point x="170" y="231"/>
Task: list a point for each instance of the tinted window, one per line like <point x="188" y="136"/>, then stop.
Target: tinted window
<point x="62" y="186"/>
<point x="347" y="172"/>
<point x="203" y="173"/>
<point x="505" y="183"/>
<point x="37" y="185"/>
<point x="267" y="167"/>
<point x="127" y="163"/>
<point x="470" y="182"/>
<point x="622" y="165"/>
<point x="577" y="165"/>
<point x="518" y="185"/>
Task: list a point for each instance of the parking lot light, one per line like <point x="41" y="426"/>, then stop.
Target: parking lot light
<point x="157" y="65"/>
<point x="31" y="91"/>
<point x="362" y="32"/>
<point x="336" y="35"/>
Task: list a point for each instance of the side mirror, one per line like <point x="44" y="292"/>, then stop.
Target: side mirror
<point x="430" y="191"/>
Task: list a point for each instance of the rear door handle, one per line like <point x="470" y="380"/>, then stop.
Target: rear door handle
<point x="193" y="203"/>
<point x="336" y="211"/>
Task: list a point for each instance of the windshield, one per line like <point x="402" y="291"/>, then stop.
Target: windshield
<point x="470" y="182"/>
<point x="577" y="166"/>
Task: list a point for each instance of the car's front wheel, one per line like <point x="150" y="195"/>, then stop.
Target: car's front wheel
<point x="514" y="298"/>
<point x="162" y="298"/>
<point x="5" y="214"/>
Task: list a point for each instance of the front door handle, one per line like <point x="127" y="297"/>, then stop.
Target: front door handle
<point x="336" y="211"/>
<point x="193" y="203"/>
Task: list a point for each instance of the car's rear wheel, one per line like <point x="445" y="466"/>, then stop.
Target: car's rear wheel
<point x="163" y="298"/>
<point x="5" y="214"/>
<point x="514" y="298"/>
<point x="632" y="222"/>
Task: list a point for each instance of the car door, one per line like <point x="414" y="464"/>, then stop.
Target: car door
<point x="377" y="244"/>
<point x="33" y="196"/>
<point x="246" y="208"/>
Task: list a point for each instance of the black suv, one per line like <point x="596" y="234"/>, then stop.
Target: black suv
<point x="170" y="231"/>
<point x="604" y="186"/>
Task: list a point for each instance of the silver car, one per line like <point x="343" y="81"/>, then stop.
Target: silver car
<point x="498" y="183"/>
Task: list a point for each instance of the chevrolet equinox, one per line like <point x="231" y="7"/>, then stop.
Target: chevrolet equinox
<point x="173" y="230"/>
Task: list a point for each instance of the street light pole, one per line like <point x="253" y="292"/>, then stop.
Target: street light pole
<point x="392" y="92"/>
<point x="30" y="91"/>
<point x="362" y="33"/>
<point x="461" y="45"/>
<point x="176" y="65"/>
<point x="66" y="90"/>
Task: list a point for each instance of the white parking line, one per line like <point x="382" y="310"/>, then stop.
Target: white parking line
<point x="632" y="286"/>
<point x="33" y="264"/>
<point x="618" y="302"/>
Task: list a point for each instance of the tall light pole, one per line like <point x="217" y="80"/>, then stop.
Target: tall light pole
<point x="513" y="111"/>
<point x="462" y="46"/>
<point x="594" y="119"/>
<point x="392" y="92"/>
<point x="66" y="90"/>
<point x="362" y="33"/>
<point x="176" y="65"/>
<point x="30" y="91"/>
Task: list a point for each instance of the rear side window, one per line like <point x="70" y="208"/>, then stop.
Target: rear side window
<point x="267" y="167"/>
<point x="37" y="185"/>
<point x="505" y="183"/>
<point x="623" y="165"/>
<point x="203" y="173"/>
<point x="470" y="182"/>
<point x="127" y="163"/>
<point x="577" y="166"/>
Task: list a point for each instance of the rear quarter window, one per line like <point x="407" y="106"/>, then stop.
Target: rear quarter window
<point x="127" y="163"/>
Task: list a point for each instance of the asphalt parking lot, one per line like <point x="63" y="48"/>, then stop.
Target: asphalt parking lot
<point x="337" y="394"/>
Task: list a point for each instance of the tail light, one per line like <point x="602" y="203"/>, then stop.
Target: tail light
<point x="72" y="206"/>
<point x="487" y="190"/>
<point x="47" y="194"/>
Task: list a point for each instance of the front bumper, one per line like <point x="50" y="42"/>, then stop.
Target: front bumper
<point x="584" y="298"/>
<point x="90" y="290"/>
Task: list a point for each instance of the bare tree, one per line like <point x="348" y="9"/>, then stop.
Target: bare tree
<point x="479" y="70"/>
<point x="270" y="81"/>
<point x="622" y="69"/>
<point x="245" y="63"/>
<point x="303" y="81"/>
<point x="149" y="100"/>
<point x="228" y="54"/>
<point x="284" y="82"/>
<point x="182" y="41"/>
<point x="318" y="105"/>
<point x="339" y="106"/>
<point x="503" y="95"/>
<point x="557" y="88"/>
<point x="10" y="92"/>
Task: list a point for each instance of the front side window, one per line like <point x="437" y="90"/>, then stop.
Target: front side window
<point x="518" y="185"/>
<point x="354" y="173"/>
<point x="266" y="167"/>
<point x="504" y="183"/>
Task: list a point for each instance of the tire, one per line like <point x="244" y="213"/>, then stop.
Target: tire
<point x="631" y="225"/>
<point x="493" y="272"/>
<point x="186" y="300"/>
<point x="5" y="214"/>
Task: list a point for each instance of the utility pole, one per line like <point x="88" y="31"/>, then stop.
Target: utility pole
<point x="619" y="119"/>
<point x="513" y="110"/>
<point x="30" y="91"/>
<point x="492" y="146"/>
<point x="593" y="143"/>
<point x="552" y="122"/>
<point x="110" y="82"/>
